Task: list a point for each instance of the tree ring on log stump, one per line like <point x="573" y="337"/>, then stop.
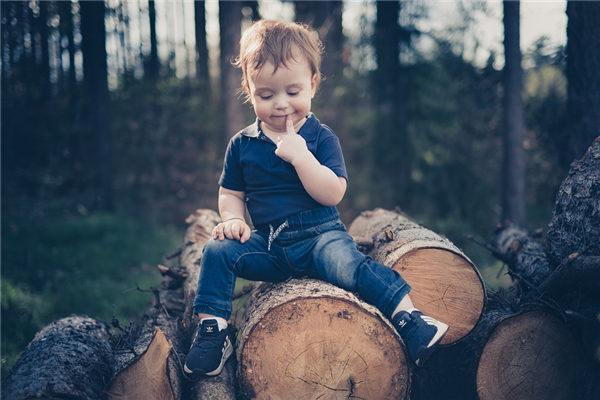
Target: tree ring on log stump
<point x="322" y="347"/>
<point x="445" y="283"/>
<point x="530" y="356"/>
<point x="445" y="286"/>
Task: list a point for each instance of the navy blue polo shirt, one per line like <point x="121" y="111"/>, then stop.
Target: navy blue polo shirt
<point x="272" y="186"/>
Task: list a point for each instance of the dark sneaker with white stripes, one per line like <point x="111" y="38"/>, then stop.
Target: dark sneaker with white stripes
<point x="421" y="334"/>
<point x="209" y="351"/>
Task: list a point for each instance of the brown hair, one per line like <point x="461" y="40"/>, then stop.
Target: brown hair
<point x="276" y="41"/>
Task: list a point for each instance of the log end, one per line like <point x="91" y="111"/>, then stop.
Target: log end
<point x="322" y="347"/>
<point x="530" y="356"/>
<point x="446" y="286"/>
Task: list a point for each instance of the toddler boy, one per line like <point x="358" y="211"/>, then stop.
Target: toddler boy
<point x="288" y="170"/>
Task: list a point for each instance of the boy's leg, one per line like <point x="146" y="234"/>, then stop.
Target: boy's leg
<point x="222" y="262"/>
<point x="337" y="260"/>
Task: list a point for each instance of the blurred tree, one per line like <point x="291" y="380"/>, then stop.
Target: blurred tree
<point x="230" y="22"/>
<point x="391" y="144"/>
<point x="66" y="31"/>
<point x="583" y="75"/>
<point x="93" y="46"/>
<point x="513" y="168"/>
<point x="202" y="61"/>
<point x="44" y="56"/>
<point x="326" y="18"/>
<point x="153" y="64"/>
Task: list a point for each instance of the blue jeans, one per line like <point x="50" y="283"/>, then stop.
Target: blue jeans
<point x="313" y="244"/>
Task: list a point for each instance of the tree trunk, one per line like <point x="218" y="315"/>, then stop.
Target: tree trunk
<point x="230" y="20"/>
<point x="291" y="347"/>
<point x="70" y="358"/>
<point x="93" y="46"/>
<point x="583" y="75"/>
<point x="153" y="66"/>
<point x="513" y="169"/>
<point x="390" y="88"/>
<point x="445" y="283"/>
<point x="202" y="61"/>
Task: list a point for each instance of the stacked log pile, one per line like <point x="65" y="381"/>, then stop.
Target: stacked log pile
<point x="307" y="339"/>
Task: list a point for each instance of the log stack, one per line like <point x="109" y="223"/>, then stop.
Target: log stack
<point x="539" y="339"/>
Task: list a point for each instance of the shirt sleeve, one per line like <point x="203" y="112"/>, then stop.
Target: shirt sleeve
<point x="231" y="176"/>
<point x="329" y="153"/>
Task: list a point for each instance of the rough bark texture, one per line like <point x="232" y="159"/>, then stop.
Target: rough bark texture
<point x="309" y="339"/>
<point x="575" y="225"/>
<point x="68" y="359"/>
<point x="445" y="283"/>
<point x="201" y="223"/>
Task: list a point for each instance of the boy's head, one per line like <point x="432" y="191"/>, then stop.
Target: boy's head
<point x="279" y="43"/>
<point x="280" y="64"/>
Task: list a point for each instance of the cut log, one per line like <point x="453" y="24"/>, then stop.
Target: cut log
<point x="531" y="356"/>
<point x="451" y="370"/>
<point x="201" y="224"/>
<point x="445" y="283"/>
<point x="70" y="358"/>
<point x="148" y="377"/>
<point x="307" y="339"/>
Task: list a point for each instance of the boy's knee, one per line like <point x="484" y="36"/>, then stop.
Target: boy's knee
<point x="216" y="246"/>
<point x="335" y="258"/>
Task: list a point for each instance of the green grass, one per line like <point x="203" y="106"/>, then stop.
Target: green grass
<point x="93" y="265"/>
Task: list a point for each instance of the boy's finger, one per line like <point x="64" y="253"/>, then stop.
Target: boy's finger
<point x="289" y="125"/>
<point x="245" y="235"/>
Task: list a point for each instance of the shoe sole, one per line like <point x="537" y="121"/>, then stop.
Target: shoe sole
<point x="226" y="354"/>
<point x="433" y="343"/>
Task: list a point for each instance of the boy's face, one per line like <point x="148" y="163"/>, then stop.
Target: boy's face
<point x="285" y="92"/>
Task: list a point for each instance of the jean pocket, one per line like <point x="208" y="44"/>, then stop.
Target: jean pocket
<point x="334" y="225"/>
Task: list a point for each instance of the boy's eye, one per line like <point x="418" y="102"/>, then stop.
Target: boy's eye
<point x="293" y="93"/>
<point x="265" y="96"/>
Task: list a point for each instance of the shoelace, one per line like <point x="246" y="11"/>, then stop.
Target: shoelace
<point x="214" y="340"/>
<point x="274" y="233"/>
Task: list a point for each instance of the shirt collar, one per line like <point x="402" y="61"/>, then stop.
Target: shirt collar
<point x="307" y="131"/>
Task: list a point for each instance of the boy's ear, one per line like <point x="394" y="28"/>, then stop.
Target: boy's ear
<point x="314" y="82"/>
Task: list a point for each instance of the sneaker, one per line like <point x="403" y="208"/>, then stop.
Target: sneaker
<point x="421" y="334"/>
<point x="209" y="351"/>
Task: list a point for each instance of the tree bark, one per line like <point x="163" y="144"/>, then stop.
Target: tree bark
<point x="575" y="224"/>
<point x="291" y="346"/>
<point x="445" y="283"/>
<point x="70" y="358"/>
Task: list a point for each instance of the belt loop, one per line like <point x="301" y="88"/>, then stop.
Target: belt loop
<point x="273" y="234"/>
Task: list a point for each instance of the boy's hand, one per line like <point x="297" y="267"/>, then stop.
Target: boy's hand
<point x="236" y="229"/>
<point x="291" y="146"/>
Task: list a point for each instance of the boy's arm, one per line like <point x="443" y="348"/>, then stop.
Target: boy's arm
<point x="232" y="207"/>
<point x="321" y="183"/>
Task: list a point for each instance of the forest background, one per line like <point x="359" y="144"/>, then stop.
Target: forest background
<point x="116" y="114"/>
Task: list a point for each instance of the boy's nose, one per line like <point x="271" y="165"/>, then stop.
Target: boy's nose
<point x="280" y="103"/>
